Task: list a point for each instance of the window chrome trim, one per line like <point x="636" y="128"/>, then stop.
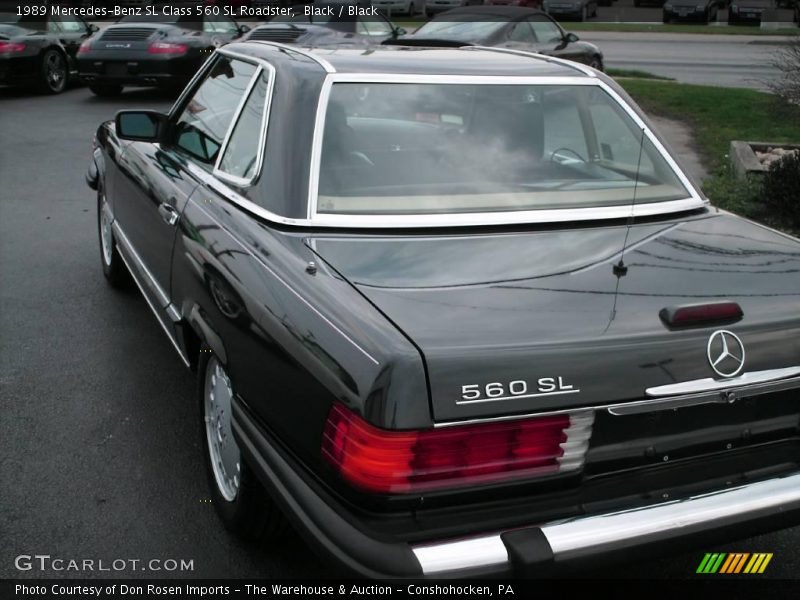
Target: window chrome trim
<point x="220" y="187"/>
<point x="235" y="119"/>
<point x="693" y="201"/>
<point x="545" y="57"/>
<point x="329" y="68"/>
<point x="190" y="87"/>
<point x="262" y="67"/>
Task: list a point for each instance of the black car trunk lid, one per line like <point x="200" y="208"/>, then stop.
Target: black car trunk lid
<point x="516" y="323"/>
<point x="134" y="37"/>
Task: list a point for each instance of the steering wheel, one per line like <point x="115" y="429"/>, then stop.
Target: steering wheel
<point x="559" y="153"/>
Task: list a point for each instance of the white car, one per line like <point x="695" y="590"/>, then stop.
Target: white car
<point x="405" y="7"/>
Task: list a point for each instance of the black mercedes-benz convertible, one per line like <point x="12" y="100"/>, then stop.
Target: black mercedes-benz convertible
<point x="456" y="311"/>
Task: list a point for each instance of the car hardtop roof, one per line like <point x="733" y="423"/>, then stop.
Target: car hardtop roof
<point x="413" y="60"/>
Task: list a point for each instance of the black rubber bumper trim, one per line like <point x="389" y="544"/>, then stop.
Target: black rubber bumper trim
<point x="528" y="550"/>
<point x="315" y="519"/>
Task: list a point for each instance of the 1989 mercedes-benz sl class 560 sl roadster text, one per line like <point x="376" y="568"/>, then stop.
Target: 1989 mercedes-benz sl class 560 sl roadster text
<point x="456" y="311"/>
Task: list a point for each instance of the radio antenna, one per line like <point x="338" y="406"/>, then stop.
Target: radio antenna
<point x="621" y="269"/>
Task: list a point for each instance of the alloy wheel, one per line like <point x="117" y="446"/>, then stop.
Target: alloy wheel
<point x="226" y="460"/>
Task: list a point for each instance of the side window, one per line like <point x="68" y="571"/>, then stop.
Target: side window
<point x="615" y="143"/>
<point x="72" y="26"/>
<point x="202" y="125"/>
<point x="376" y="26"/>
<point x="241" y="154"/>
<point x="545" y="30"/>
<point x="218" y="24"/>
<point x="563" y="129"/>
<point x="54" y="25"/>
<point x="522" y="33"/>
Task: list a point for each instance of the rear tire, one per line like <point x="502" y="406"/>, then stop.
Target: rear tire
<point x="53" y="72"/>
<point x="105" y="90"/>
<point x="238" y="497"/>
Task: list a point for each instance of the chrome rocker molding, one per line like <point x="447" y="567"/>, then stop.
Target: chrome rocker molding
<point x="573" y="538"/>
<point x="139" y="271"/>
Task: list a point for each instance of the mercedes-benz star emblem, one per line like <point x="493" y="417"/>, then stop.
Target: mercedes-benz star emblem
<point x="725" y="353"/>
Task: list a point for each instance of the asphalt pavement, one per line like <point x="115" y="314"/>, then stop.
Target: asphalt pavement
<point x="739" y="61"/>
<point x="100" y="454"/>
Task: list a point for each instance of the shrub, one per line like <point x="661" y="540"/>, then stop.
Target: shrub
<point x="742" y="197"/>
<point x="787" y="61"/>
<point x="782" y="188"/>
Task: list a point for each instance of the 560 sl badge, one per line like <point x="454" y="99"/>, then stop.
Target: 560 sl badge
<point x="514" y="390"/>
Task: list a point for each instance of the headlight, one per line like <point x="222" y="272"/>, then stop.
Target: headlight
<point x="700" y="7"/>
<point x="734" y="8"/>
<point x="668" y="7"/>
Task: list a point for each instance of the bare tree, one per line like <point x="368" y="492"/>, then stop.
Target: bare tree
<point x="787" y="61"/>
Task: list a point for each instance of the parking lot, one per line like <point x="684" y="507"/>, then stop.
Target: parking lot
<point x="99" y="435"/>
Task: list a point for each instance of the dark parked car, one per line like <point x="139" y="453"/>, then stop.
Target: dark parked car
<point x="40" y="50"/>
<point x="165" y="49"/>
<point x="524" y="3"/>
<point x="455" y="311"/>
<point x="433" y="7"/>
<point x="325" y="29"/>
<point x="704" y="11"/>
<point x="573" y="10"/>
<point x="747" y="11"/>
<point x="504" y="27"/>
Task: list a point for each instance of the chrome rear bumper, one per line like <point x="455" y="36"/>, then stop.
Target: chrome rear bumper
<point x="596" y="534"/>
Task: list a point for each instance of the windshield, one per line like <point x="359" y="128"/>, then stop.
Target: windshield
<point x="408" y="148"/>
<point x="471" y="28"/>
<point x="323" y="18"/>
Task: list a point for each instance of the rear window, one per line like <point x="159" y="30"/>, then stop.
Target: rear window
<point x="408" y="148"/>
<point x="465" y="27"/>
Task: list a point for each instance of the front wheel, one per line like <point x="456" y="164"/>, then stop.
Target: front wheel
<point x="240" y="500"/>
<point x="114" y="270"/>
<point x="596" y="63"/>
<point x="53" y="72"/>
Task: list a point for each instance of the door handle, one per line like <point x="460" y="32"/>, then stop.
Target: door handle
<point x="168" y="213"/>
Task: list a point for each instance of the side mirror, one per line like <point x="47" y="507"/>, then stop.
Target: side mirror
<point x="243" y="29"/>
<point x="398" y="31"/>
<point x="571" y="38"/>
<point x="140" y="125"/>
<point x="93" y="28"/>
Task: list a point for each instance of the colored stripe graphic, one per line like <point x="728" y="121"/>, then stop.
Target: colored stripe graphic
<point x="734" y="563"/>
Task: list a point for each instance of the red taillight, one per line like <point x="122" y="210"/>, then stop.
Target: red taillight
<point x="85" y="47"/>
<point x="167" y="48"/>
<point x="10" y="47"/>
<point x="384" y="461"/>
<point x="701" y="313"/>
